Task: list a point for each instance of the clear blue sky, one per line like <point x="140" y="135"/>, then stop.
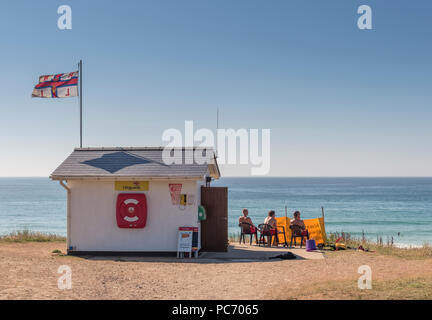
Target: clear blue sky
<point x="340" y="101"/>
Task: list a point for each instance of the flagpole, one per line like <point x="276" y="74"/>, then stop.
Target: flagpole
<point x="80" y="99"/>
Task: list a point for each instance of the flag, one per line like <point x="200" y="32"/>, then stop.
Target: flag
<point x="62" y="85"/>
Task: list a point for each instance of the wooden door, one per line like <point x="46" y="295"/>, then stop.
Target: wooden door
<point x="214" y="230"/>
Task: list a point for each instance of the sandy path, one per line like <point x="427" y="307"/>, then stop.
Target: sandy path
<point x="29" y="271"/>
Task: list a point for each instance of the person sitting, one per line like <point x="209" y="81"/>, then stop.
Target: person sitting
<point x="247" y="225"/>
<point x="297" y="226"/>
<point x="270" y="220"/>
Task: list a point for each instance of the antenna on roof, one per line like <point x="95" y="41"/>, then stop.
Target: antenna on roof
<point x="217" y="118"/>
<point x="217" y="127"/>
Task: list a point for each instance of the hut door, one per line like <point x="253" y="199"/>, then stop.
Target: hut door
<point x="214" y="230"/>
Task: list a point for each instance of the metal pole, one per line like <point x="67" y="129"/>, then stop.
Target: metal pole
<point x="80" y="99"/>
<point x="217" y="127"/>
<point x="322" y="211"/>
<point x="217" y="119"/>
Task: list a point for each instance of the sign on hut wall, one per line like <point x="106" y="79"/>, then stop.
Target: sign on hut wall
<point x="131" y="185"/>
<point x="175" y="190"/>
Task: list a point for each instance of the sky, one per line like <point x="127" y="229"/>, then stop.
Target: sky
<point x="339" y="101"/>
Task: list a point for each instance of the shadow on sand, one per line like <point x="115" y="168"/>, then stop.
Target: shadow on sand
<point x="235" y="254"/>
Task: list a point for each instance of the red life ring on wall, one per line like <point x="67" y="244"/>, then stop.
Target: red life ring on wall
<point x="131" y="210"/>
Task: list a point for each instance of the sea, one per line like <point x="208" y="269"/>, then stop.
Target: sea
<point x="390" y="208"/>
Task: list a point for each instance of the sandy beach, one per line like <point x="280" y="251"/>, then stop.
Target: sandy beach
<point x="29" y="271"/>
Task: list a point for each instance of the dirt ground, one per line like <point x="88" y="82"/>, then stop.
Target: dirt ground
<point x="29" y="271"/>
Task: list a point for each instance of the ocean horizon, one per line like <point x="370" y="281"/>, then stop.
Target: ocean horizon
<point x="398" y="207"/>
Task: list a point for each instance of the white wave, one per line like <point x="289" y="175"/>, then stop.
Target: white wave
<point x="407" y="245"/>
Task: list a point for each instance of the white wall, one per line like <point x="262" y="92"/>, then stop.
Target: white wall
<point x="93" y="217"/>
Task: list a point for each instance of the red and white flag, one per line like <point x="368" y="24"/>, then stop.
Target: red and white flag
<point x="62" y="85"/>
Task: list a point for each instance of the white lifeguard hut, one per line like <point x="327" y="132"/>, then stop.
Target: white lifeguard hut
<point x="129" y="200"/>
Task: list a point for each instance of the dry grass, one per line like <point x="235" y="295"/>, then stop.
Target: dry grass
<point x="381" y="247"/>
<point x="233" y="237"/>
<point x="406" y="289"/>
<point x="31" y="236"/>
<point x="406" y="253"/>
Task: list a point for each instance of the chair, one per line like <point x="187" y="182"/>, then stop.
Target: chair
<point x="297" y="232"/>
<point x="247" y="228"/>
<point x="281" y="230"/>
<point x="266" y="230"/>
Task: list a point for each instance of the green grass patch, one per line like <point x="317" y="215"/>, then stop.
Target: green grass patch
<point x="31" y="236"/>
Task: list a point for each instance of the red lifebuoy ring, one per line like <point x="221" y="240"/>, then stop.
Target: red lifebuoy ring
<point x="131" y="210"/>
